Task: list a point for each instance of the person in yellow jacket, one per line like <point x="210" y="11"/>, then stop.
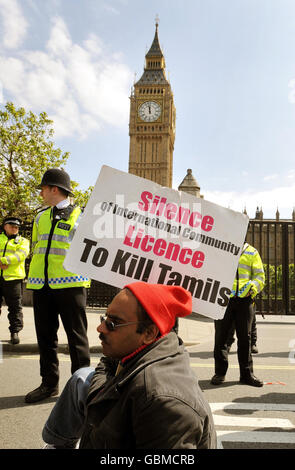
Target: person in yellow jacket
<point x="13" y="251"/>
<point x="249" y="281"/>
<point x="56" y="291"/>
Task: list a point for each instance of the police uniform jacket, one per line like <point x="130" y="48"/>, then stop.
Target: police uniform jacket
<point x="250" y="277"/>
<point x="13" y="252"/>
<point x="51" y="239"/>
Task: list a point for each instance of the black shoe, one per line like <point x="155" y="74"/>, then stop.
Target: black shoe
<point x="251" y="380"/>
<point x="14" y="339"/>
<point x="254" y="349"/>
<point x="41" y="393"/>
<point x="217" y="379"/>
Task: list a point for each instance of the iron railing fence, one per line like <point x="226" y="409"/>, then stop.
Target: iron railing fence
<point x="275" y="241"/>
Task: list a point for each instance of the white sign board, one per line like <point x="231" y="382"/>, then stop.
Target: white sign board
<point x="133" y="229"/>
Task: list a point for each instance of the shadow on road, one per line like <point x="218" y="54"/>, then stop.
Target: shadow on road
<point x="206" y="384"/>
<point x="202" y="354"/>
<point x="19" y="401"/>
<point x="273" y="397"/>
<point x="209" y="354"/>
<point x="284" y="354"/>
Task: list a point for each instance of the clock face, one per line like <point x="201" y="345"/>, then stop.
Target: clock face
<point x="149" y="111"/>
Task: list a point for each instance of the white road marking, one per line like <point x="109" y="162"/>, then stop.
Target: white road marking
<point x="252" y="406"/>
<point x="253" y="436"/>
<point x="256" y="366"/>
<point x="221" y="420"/>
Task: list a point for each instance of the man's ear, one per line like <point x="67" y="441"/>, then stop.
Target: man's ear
<point x="150" y="334"/>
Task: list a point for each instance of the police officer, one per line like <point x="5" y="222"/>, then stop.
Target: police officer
<point x="240" y="311"/>
<point x="56" y="291"/>
<point x="13" y="251"/>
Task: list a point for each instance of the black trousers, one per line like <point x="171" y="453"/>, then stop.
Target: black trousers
<point x="70" y="304"/>
<point x="12" y="293"/>
<point x="240" y="311"/>
<point x="231" y="339"/>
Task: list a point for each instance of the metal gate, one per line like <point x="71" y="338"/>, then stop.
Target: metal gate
<point x="275" y="241"/>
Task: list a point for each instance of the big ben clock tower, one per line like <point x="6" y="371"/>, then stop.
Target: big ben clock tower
<point x="152" y="121"/>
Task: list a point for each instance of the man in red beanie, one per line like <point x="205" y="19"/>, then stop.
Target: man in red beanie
<point x="143" y="393"/>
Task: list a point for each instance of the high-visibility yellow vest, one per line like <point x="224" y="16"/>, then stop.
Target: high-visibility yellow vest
<point x="250" y="273"/>
<point x="50" y="241"/>
<point x="13" y="252"/>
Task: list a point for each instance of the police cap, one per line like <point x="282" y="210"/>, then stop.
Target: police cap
<point x="12" y="221"/>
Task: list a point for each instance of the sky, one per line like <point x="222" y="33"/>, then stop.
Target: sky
<point x="231" y="65"/>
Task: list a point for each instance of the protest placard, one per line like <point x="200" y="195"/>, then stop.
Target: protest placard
<point x="133" y="229"/>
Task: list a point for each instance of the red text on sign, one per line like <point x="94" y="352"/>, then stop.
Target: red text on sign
<point x="161" y="247"/>
<point x="158" y="205"/>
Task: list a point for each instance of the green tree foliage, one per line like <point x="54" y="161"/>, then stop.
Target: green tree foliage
<point x="26" y="152"/>
<point x="81" y="197"/>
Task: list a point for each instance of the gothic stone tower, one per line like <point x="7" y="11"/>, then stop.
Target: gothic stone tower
<point x="152" y="121"/>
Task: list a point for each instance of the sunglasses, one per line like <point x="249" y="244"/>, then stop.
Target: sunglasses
<point x="111" y="326"/>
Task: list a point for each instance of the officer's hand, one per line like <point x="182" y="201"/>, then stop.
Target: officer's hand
<point x="3" y="266"/>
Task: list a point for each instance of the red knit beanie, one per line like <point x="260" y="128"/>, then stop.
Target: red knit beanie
<point x="162" y="303"/>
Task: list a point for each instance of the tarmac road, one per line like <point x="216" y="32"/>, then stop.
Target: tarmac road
<point x="248" y="417"/>
<point x="245" y="417"/>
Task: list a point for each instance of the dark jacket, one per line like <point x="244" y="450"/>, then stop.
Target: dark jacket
<point x="155" y="402"/>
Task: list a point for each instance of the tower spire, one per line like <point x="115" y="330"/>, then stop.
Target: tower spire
<point x="157" y="19"/>
<point x="154" y="68"/>
<point x="155" y="50"/>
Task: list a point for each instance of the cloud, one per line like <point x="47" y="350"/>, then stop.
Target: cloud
<point x="14" y="24"/>
<point x="270" y="177"/>
<point x="82" y="87"/>
<point x="282" y="197"/>
<point x="111" y="9"/>
<point x="291" y="174"/>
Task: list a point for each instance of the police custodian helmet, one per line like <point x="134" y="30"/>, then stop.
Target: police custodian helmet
<point x="57" y="177"/>
<point x="12" y="221"/>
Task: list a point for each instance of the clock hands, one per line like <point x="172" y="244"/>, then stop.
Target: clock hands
<point x="149" y="111"/>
